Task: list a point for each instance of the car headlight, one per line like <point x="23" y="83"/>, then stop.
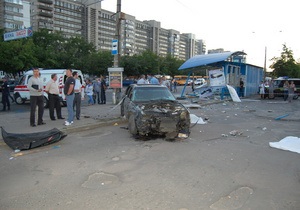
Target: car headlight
<point x="184" y="115"/>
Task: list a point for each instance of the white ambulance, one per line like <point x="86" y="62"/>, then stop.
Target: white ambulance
<point x="21" y="92"/>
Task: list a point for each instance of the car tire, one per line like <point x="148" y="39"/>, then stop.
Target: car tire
<point x="172" y="135"/>
<point x="18" y="99"/>
<point x="132" y="125"/>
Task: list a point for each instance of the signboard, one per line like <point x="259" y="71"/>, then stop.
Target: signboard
<point x="115" y="77"/>
<point x="216" y="77"/>
<point x="114" y="50"/>
<point x="18" y="34"/>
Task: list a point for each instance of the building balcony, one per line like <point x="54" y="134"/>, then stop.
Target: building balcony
<point x="46" y="1"/>
<point x="44" y="7"/>
<point x="46" y="14"/>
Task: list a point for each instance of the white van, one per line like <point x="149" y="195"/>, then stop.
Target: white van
<point x="21" y="92"/>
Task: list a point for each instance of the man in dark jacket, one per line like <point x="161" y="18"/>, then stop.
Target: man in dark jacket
<point x="103" y="89"/>
<point x="5" y="95"/>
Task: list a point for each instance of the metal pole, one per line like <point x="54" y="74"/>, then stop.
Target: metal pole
<point x="265" y="64"/>
<point x="117" y="91"/>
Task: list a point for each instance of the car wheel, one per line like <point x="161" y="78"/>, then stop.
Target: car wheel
<point x="19" y="100"/>
<point x="171" y="135"/>
<point x="46" y="102"/>
<point x="132" y="126"/>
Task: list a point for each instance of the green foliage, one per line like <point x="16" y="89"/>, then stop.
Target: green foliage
<point x="150" y="63"/>
<point x="52" y="50"/>
<point x="285" y="65"/>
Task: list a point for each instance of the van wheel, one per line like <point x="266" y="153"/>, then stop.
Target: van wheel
<point x="46" y="102"/>
<point x="19" y="100"/>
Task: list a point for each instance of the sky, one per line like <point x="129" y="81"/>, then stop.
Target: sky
<point x="234" y="25"/>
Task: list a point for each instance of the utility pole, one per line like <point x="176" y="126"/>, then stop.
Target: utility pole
<point x="265" y="64"/>
<point x="117" y="35"/>
<point x="116" y="72"/>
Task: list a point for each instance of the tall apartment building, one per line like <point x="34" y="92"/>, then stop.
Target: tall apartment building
<point x="98" y="26"/>
<point x="14" y="14"/>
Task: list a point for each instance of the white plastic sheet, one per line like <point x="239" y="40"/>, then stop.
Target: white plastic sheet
<point x="196" y="119"/>
<point x="289" y="143"/>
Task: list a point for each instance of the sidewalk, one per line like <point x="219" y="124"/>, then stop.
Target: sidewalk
<point x="17" y="121"/>
<point x="91" y="117"/>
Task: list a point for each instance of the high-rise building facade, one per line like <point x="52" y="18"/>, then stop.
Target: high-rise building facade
<point x="14" y="14"/>
<point x="98" y="26"/>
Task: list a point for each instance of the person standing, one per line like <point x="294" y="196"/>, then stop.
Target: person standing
<point x="5" y="95"/>
<point x="78" y="97"/>
<point x="53" y="96"/>
<point x="262" y="90"/>
<point x="292" y="88"/>
<point x="89" y="92"/>
<point x="165" y="82"/>
<point x="174" y="85"/>
<point x="103" y="89"/>
<point x="241" y="87"/>
<point x="142" y="80"/>
<point x="35" y="86"/>
<point x="285" y="90"/>
<point x="271" y="89"/>
<point x="97" y="88"/>
<point x="154" y="80"/>
<point x="69" y="93"/>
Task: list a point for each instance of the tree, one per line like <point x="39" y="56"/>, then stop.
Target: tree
<point x="285" y="65"/>
<point x="17" y="55"/>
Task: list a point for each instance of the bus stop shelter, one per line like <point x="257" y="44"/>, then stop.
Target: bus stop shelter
<point x="233" y="66"/>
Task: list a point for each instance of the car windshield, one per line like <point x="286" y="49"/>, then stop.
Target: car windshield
<point x="152" y="93"/>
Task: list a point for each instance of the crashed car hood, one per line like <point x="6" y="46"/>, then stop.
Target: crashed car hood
<point x="160" y="107"/>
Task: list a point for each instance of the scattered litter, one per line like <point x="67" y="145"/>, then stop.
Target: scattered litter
<point x="289" y="143"/>
<point x="17" y="150"/>
<point x="116" y="124"/>
<point x="224" y="135"/>
<point x="56" y="147"/>
<point x="233" y="94"/>
<point x="235" y="133"/>
<point x="196" y="120"/>
<point x="11" y="158"/>
<point x="223" y="111"/>
<point x="282" y="116"/>
<point x="224" y="104"/>
<point x="264" y="128"/>
<point x="270" y="110"/>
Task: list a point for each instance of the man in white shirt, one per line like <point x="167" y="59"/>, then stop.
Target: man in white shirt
<point x="142" y="80"/>
<point x="35" y="86"/>
<point x="53" y="96"/>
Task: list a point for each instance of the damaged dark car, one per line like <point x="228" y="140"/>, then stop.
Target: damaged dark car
<point x="152" y="110"/>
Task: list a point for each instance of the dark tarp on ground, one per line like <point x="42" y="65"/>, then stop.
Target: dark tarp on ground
<point x="24" y="141"/>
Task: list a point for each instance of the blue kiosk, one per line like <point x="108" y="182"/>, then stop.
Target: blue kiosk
<point x="233" y="67"/>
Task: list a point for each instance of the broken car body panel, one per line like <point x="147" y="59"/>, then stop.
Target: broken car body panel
<point x="153" y="110"/>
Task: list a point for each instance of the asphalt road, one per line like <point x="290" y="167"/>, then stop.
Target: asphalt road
<point x="106" y="168"/>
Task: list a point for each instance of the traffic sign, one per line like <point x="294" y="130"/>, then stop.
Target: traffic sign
<point x="114" y="50"/>
<point x="27" y="32"/>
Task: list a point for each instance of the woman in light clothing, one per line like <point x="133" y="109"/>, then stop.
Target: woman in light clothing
<point x="89" y="92"/>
